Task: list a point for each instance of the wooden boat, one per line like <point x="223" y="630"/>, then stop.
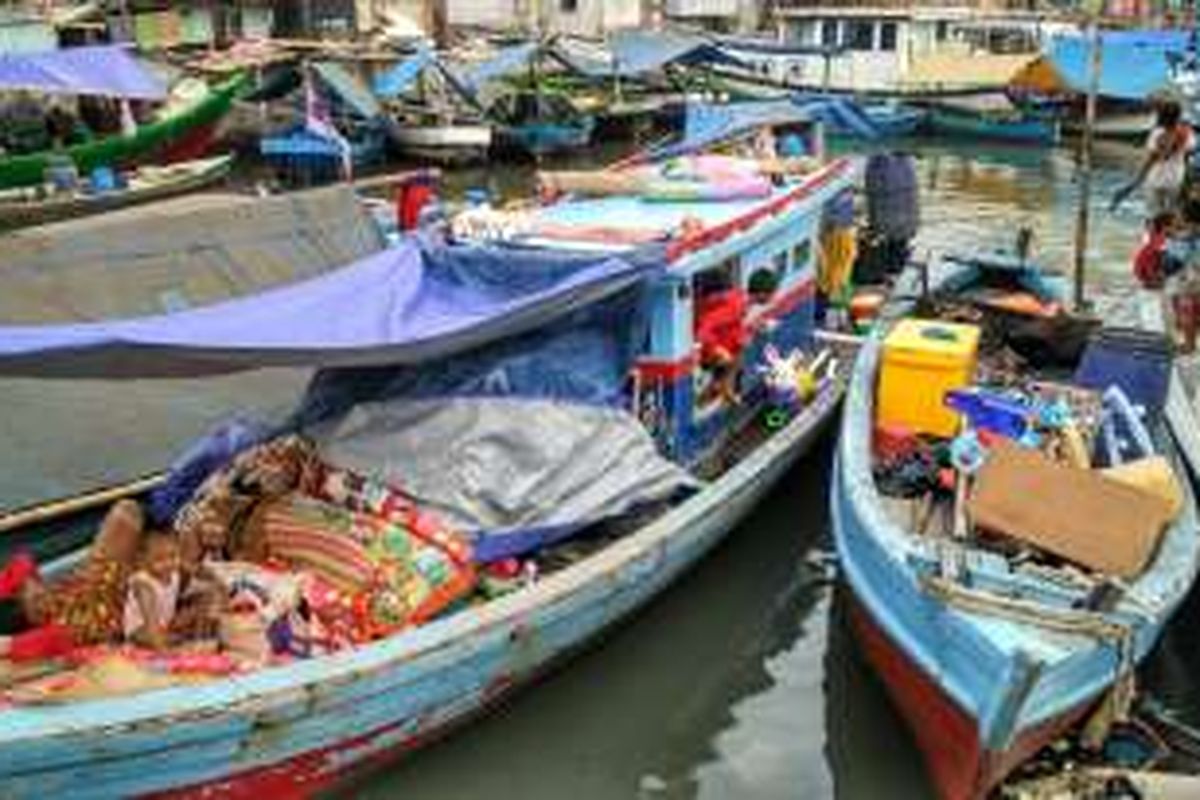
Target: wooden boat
<point x="22" y="207"/>
<point x="445" y="144"/>
<point x="895" y="119"/>
<point x="299" y="727"/>
<point x="183" y="134"/>
<point x="1002" y="127"/>
<point x="540" y="124"/>
<point x="989" y="668"/>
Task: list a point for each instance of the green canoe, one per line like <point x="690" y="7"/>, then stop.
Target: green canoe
<point x="29" y="170"/>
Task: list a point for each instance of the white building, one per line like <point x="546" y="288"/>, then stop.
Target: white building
<point x="576" y="17"/>
<point x="719" y="15"/>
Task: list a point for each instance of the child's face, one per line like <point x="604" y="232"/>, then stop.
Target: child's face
<point x="162" y="557"/>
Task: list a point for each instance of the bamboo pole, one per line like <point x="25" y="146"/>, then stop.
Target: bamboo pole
<point x="1083" y="218"/>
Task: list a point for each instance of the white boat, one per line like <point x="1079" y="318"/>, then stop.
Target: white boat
<point x="908" y="51"/>
<point x="445" y="143"/>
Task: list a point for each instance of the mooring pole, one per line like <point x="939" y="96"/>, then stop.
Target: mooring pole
<point x="1085" y="158"/>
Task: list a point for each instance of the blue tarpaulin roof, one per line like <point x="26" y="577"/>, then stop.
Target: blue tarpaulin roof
<point x="400" y="77"/>
<point x="107" y="70"/>
<point x="508" y="61"/>
<point x="349" y="89"/>
<point x="636" y="52"/>
<point x="405" y="305"/>
<point x="1133" y="63"/>
<point x="708" y="124"/>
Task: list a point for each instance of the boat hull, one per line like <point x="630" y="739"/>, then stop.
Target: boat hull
<point x="184" y="136"/>
<point x="178" y="178"/>
<point x="450" y="144"/>
<point x="958" y="763"/>
<point x="363" y="706"/>
<point x="1018" y="131"/>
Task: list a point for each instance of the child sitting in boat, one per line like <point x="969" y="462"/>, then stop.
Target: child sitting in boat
<point x="84" y="608"/>
<point x="153" y="596"/>
<point x="720" y="334"/>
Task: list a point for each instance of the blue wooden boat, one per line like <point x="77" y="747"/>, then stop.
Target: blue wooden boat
<point x="540" y="123"/>
<point x="296" y="728"/>
<point x="894" y="119"/>
<point x="989" y="666"/>
<point x="994" y="126"/>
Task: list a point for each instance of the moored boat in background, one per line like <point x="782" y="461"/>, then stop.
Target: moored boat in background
<point x="23" y="207"/>
<point x="184" y="129"/>
<point x="987" y="656"/>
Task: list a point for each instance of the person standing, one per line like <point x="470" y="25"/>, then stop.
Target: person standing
<point x="1165" y="164"/>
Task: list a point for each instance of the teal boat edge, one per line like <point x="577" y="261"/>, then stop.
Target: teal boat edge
<point x="982" y="691"/>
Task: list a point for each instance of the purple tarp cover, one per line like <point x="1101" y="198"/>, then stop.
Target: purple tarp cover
<point x="107" y="70"/>
<point x="394" y="307"/>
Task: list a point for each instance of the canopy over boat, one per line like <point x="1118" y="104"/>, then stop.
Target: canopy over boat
<point x="348" y="89"/>
<point x="707" y="124"/>
<point x="402" y="306"/>
<point x="637" y="52"/>
<point x="1134" y="64"/>
<point x="107" y="70"/>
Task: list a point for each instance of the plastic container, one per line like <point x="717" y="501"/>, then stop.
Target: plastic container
<point x="1137" y="361"/>
<point x="922" y="361"/>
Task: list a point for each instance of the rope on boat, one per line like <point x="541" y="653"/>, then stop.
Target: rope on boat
<point x="1118" y="702"/>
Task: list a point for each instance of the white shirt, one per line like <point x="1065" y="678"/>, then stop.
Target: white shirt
<point x="166" y="599"/>
<point x="1169" y="172"/>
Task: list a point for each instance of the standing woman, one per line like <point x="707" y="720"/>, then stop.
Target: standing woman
<point x="1165" y="165"/>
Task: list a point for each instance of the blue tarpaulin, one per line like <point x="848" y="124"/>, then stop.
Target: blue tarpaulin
<point x="107" y="70"/>
<point x="1134" y="64"/>
<point x="406" y="305"/>
<point x="637" y="52"/>
<point x="397" y="79"/>
<point x="508" y="61"/>
<point x="349" y="89"/>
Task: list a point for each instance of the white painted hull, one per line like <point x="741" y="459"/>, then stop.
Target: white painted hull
<point x="446" y="143"/>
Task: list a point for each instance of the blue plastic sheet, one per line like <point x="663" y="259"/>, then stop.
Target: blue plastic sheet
<point x="1134" y="64"/>
<point x="407" y="305"/>
<point x="107" y="70"/>
<point x="397" y="79"/>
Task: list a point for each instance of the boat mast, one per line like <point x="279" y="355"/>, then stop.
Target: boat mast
<point x="1085" y="152"/>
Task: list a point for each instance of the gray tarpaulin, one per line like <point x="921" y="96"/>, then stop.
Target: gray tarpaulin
<point x="519" y="473"/>
<point x="182" y="253"/>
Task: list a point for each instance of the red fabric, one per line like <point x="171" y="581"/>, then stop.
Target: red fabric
<point x="21" y="568"/>
<point x="410" y="199"/>
<point x="1147" y="262"/>
<point x="721" y="325"/>
<point x="47" y="641"/>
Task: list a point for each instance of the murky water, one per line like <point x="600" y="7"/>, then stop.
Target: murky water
<point x="741" y="682"/>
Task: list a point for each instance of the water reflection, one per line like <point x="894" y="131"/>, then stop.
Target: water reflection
<point x="714" y="692"/>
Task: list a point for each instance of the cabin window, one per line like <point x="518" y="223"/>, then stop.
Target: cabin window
<point x="780" y="264"/>
<point x="829" y="33"/>
<point x="861" y="35"/>
<point x="801" y="254"/>
<point x="887" y="36"/>
<point x="568" y="6"/>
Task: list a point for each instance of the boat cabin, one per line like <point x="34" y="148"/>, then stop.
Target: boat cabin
<point x="750" y="258"/>
<point x="889" y="50"/>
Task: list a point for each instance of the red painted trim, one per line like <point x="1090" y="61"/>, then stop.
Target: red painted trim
<point x="678" y="248"/>
<point x="784" y="303"/>
<point x="664" y="370"/>
<point x="947" y="736"/>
